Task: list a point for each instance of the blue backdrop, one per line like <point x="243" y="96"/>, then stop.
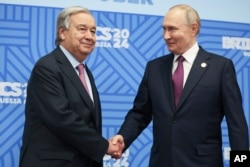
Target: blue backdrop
<point x="125" y="42"/>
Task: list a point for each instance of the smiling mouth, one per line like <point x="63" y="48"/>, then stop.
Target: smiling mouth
<point x="87" y="44"/>
<point x="168" y="43"/>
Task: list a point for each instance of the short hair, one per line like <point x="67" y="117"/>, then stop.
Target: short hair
<point x="191" y="14"/>
<point x="63" y="19"/>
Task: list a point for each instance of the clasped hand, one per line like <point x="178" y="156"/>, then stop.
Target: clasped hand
<point x="116" y="146"/>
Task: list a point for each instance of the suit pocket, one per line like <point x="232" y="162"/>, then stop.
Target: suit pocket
<point x="208" y="149"/>
<point x="62" y="155"/>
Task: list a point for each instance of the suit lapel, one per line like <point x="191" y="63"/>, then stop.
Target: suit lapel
<point x="166" y="73"/>
<point x="69" y="71"/>
<point x="200" y="65"/>
<point x="97" y="107"/>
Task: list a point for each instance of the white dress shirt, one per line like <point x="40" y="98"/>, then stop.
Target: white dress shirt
<point x="74" y="64"/>
<point x="189" y="56"/>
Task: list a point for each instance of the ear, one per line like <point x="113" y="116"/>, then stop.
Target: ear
<point x="194" y="28"/>
<point x="62" y="33"/>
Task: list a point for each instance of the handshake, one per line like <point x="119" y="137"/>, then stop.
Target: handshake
<point x="116" y="146"/>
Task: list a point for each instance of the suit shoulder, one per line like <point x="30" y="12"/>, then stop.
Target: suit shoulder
<point x="216" y="56"/>
<point x="47" y="63"/>
<point x="160" y="59"/>
<point x="47" y="59"/>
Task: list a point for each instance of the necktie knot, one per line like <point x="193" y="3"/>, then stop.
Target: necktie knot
<point x="80" y="69"/>
<point x="180" y="59"/>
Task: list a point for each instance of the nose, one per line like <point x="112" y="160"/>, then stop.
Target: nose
<point x="166" y="35"/>
<point x="89" y="34"/>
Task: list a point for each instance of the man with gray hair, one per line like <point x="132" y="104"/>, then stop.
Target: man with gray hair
<point x="63" y="111"/>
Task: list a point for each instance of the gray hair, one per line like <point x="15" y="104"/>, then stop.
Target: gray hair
<point x="63" y="19"/>
<point x="192" y="15"/>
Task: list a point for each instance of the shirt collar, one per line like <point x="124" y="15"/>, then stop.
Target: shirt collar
<point x="70" y="57"/>
<point x="190" y="54"/>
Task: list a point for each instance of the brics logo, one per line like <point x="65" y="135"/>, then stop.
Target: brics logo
<point x="12" y="93"/>
<point x="237" y="43"/>
<point x="239" y="158"/>
<point x="112" y="37"/>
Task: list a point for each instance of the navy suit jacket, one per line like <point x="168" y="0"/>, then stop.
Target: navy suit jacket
<point x="188" y="135"/>
<point x="63" y="125"/>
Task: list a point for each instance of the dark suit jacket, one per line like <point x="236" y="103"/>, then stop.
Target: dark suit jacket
<point x="189" y="135"/>
<point x="63" y="125"/>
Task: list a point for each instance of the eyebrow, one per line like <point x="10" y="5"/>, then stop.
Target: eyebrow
<point x="84" y="25"/>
